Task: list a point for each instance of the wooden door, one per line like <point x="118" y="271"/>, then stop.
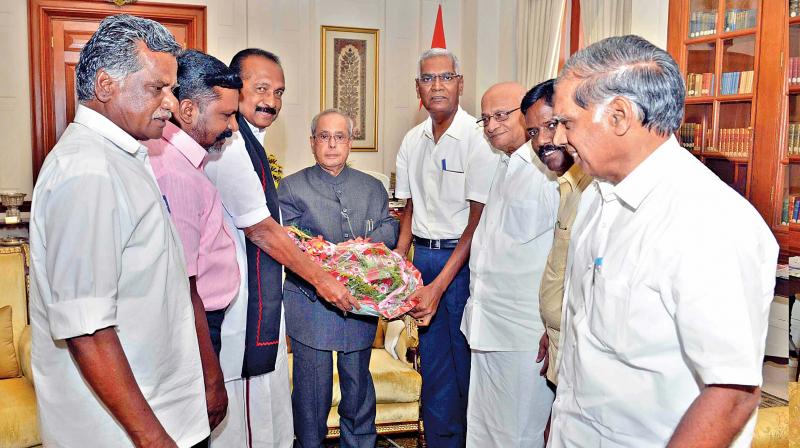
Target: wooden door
<point x="58" y="31"/>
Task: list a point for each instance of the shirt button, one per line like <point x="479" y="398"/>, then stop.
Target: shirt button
<point x="344" y="210"/>
<point x="339" y="191"/>
<point x="346" y="235"/>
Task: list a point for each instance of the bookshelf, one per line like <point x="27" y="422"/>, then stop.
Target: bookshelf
<point x="741" y="62"/>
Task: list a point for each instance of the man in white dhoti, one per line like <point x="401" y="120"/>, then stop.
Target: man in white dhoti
<point x="509" y="401"/>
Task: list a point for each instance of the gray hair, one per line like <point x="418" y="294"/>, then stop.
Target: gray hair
<point x="113" y="48"/>
<point x="432" y="53"/>
<point x="330" y="111"/>
<point x="633" y="68"/>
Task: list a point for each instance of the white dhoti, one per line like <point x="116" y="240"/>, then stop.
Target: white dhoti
<point x="259" y="408"/>
<point x="509" y="401"/>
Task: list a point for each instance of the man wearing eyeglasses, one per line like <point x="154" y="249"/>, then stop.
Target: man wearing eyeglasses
<point x="509" y="402"/>
<point x="444" y="170"/>
<point x="340" y="203"/>
<point x="254" y="355"/>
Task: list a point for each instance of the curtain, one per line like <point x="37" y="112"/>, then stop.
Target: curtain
<point x="604" y="18"/>
<point x="538" y="39"/>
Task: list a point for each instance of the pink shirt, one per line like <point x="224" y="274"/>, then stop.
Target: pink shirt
<point x="196" y="211"/>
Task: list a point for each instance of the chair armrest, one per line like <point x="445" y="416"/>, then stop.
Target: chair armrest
<point x="24" y="351"/>
<point x="409" y="342"/>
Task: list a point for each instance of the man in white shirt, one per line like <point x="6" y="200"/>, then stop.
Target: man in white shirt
<point x="254" y="354"/>
<point x="665" y="318"/>
<point x="444" y="170"/>
<point x="115" y="352"/>
<point x="509" y="402"/>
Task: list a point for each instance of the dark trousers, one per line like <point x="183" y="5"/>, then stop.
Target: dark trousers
<point x="311" y="396"/>
<point x="444" y="356"/>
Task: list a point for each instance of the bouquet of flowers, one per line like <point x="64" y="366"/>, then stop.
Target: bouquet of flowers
<point x="381" y="280"/>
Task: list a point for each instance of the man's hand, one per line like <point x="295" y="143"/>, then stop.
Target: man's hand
<point x="429" y="297"/>
<point x="402" y="251"/>
<point x="544" y="345"/>
<point x="216" y="401"/>
<point x="156" y="441"/>
<point x="336" y="294"/>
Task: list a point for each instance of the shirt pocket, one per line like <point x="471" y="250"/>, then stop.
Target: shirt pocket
<point x="524" y="220"/>
<point x="607" y="318"/>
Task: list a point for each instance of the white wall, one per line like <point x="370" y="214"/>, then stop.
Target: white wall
<point x="480" y="32"/>
<point x="649" y="20"/>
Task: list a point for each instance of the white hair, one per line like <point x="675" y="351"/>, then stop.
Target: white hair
<point x="434" y="52"/>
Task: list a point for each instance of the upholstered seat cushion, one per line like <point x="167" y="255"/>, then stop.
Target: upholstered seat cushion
<point x="395" y="381"/>
<point x="18" y="425"/>
<point x="772" y="428"/>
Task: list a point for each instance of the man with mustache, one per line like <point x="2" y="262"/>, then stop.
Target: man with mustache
<point x="537" y="106"/>
<point x="115" y="351"/>
<point x="254" y="354"/>
<point x="444" y="169"/>
<point x="509" y="403"/>
<point x="207" y="93"/>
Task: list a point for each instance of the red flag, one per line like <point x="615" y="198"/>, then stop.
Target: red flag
<point x="438" y="36"/>
<point x="438" y="31"/>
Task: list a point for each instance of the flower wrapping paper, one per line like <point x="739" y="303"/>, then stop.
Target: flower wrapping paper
<point x="380" y="279"/>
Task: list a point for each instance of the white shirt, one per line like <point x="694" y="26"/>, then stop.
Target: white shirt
<point x="677" y="298"/>
<point x="104" y="253"/>
<point x="509" y="254"/>
<point x="231" y="171"/>
<point x="442" y="177"/>
<point x="243" y="199"/>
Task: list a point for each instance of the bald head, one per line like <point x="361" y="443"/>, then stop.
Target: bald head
<point x="505" y="131"/>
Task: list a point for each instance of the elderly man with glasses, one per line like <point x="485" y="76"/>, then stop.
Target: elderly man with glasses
<point x="444" y="170"/>
<point x="340" y="203"/>
<point x="509" y="402"/>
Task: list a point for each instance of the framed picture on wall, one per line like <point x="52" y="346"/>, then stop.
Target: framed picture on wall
<point x="349" y="79"/>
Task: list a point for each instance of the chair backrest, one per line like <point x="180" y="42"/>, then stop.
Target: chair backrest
<point x="381" y="177"/>
<point x="14" y="285"/>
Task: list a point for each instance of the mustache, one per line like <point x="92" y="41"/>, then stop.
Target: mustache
<point x="548" y="148"/>
<point x="162" y="115"/>
<point x="227" y="134"/>
<point x="267" y="109"/>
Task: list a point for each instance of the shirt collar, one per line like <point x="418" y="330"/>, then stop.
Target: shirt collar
<point x="185" y="144"/>
<point x="640" y="182"/>
<point x="456" y="129"/>
<point x="257" y="132"/>
<point x="574" y="176"/>
<point x="99" y="123"/>
<point x="524" y="152"/>
<point x="330" y="179"/>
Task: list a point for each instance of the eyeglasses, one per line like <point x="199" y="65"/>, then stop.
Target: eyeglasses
<point x="326" y="137"/>
<point x="550" y="128"/>
<point x="498" y="117"/>
<point x="445" y="78"/>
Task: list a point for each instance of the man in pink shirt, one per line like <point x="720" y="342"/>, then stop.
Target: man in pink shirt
<point x="208" y="98"/>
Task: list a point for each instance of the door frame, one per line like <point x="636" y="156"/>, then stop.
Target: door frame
<point x="40" y="14"/>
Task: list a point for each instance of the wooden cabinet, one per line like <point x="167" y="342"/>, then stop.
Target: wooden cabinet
<point x="741" y="62"/>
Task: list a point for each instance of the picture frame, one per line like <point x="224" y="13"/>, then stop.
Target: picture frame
<point x="349" y="79"/>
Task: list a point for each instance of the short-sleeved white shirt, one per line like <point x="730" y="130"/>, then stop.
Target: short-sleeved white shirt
<point x="104" y="253"/>
<point x="670" y="286"/>
<point x="231" y="171"/>
<point x="508" y="255"/>
<point x="441" y="178"/>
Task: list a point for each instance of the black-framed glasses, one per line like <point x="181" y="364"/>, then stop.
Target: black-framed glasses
<point x="427" y="79"/>
<point x="498" y="117"/>
<point x="324" y="137"/>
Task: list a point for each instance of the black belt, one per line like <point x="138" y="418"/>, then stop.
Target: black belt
<point x="435" y="244"/>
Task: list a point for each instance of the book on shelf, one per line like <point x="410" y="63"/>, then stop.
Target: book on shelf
<point x="739" y="19"/>
<point x="735" y="142"/>
<point x="790" y="212"/>
<point x="737" y="83"/>
<point x="794" y="70"/>
<point x="691" y="136"/>
<point x="699" y="84"/>
<point x="793" y="140"/>
<point x="702" y="23"/>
